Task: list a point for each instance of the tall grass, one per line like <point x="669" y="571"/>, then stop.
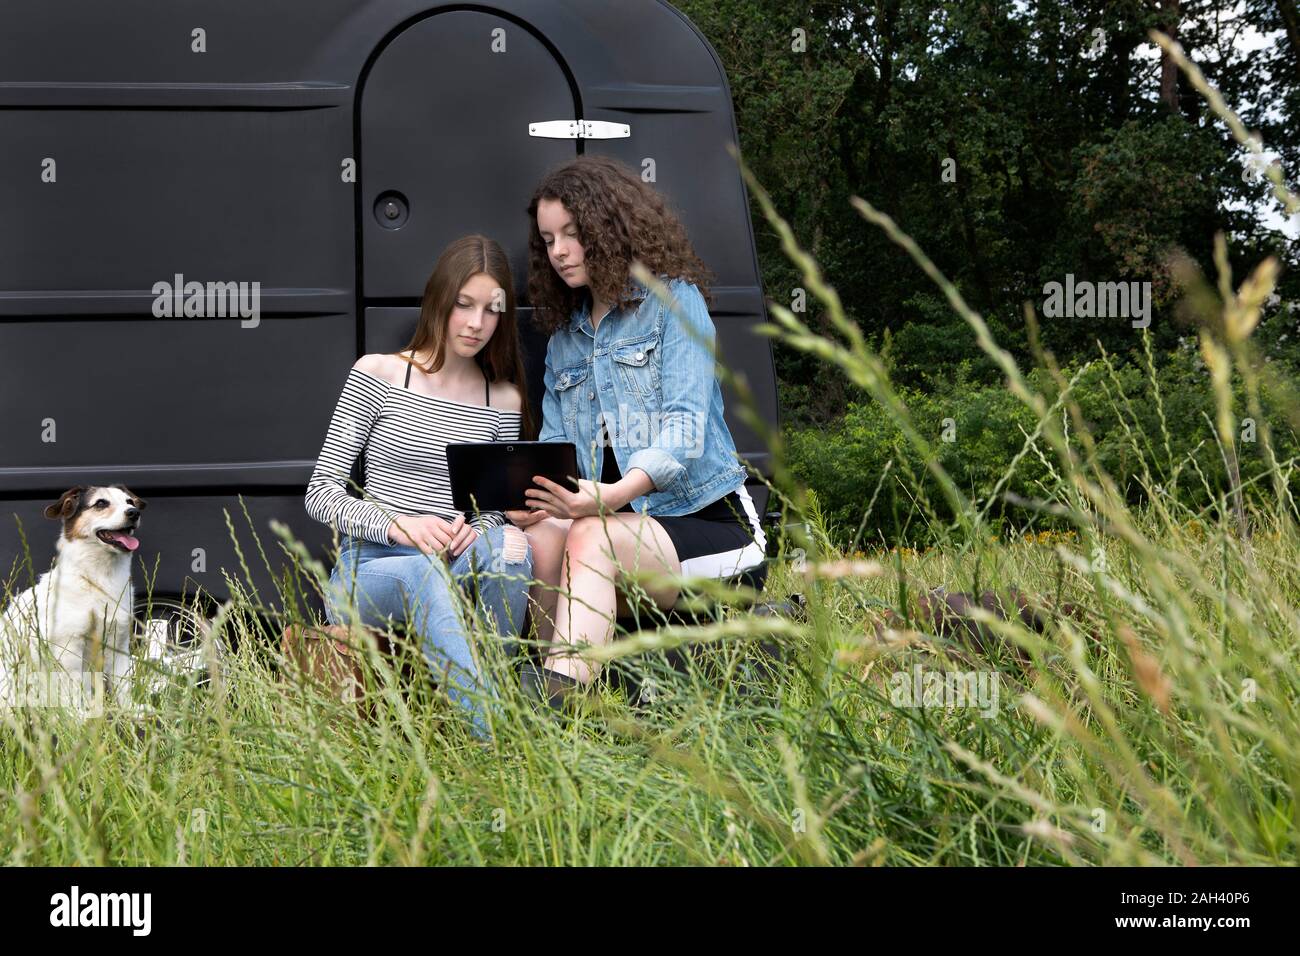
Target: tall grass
<point x="1157" y="725"/>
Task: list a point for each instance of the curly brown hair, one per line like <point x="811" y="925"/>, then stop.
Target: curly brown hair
<point x="620" y="219"/>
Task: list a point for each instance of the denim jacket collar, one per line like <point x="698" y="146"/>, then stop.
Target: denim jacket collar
<point x="581" y="318"/>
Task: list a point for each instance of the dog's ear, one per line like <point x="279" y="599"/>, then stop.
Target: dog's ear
<point x="139" y="502"/>
<point x="67" y="504"/>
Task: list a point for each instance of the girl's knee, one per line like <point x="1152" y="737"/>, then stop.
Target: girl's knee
<point x="513" y="547"/>
<point x="588" y="536"/>
<point x="547" y="543"/>
<point x="375" y="595"/>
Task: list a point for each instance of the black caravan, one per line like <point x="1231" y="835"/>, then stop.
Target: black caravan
<point x="309" y="159"/>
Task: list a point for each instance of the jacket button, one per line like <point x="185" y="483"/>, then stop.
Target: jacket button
<point x="640" y="356"/>
<point x="591" y="395"/>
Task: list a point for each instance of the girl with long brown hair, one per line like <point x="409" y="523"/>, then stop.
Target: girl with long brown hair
<point x="405" y="550"/>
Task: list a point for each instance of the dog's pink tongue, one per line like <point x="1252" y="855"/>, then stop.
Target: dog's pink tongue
<point x="126" y="540"/>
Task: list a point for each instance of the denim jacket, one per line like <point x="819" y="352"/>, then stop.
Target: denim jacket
<point x="644" y="382"/>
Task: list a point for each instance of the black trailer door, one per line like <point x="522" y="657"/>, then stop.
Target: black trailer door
<point x="445" y="111"/>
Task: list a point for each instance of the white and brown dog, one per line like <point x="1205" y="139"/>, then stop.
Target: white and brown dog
<point x="80" y="611"/>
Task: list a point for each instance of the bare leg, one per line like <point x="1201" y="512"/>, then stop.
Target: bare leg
<point x="547" y="538"/>
<point x="596" y="550"/>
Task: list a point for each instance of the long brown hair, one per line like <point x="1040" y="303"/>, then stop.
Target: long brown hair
<point x="619" y="218"/>
<point x="502" y="359"/>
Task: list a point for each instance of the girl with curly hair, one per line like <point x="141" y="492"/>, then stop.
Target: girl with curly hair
<point x="630" y="380"/>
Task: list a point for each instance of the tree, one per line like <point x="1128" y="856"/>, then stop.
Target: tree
<point x="1015" y="142"/>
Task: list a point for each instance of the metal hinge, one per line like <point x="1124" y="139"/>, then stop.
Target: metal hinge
<point x="579" y="129"/>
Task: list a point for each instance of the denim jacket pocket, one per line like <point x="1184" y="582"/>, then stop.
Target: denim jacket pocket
<point x="567" y="381"/>
<point x="636" y="366"/>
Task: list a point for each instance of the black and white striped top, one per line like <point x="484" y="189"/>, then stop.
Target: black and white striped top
<point x="405" y="436"/>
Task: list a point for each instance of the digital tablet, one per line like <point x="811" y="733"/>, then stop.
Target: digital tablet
<point x="495" y="475"/>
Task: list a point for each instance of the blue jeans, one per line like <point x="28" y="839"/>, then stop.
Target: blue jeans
<point x="401" y="582"/>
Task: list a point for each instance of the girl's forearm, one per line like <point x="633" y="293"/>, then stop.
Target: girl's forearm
<point x="632" y="485"/>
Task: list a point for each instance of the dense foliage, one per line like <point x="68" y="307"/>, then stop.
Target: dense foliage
<point x="1076" y="151"/>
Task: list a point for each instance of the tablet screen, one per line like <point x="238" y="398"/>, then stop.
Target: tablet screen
<point x="493" y="476"/>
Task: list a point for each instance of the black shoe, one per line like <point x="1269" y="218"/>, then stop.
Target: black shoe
<point x="543" y="684"/>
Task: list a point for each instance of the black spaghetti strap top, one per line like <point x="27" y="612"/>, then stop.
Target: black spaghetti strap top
<point x="487" y="386"/>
